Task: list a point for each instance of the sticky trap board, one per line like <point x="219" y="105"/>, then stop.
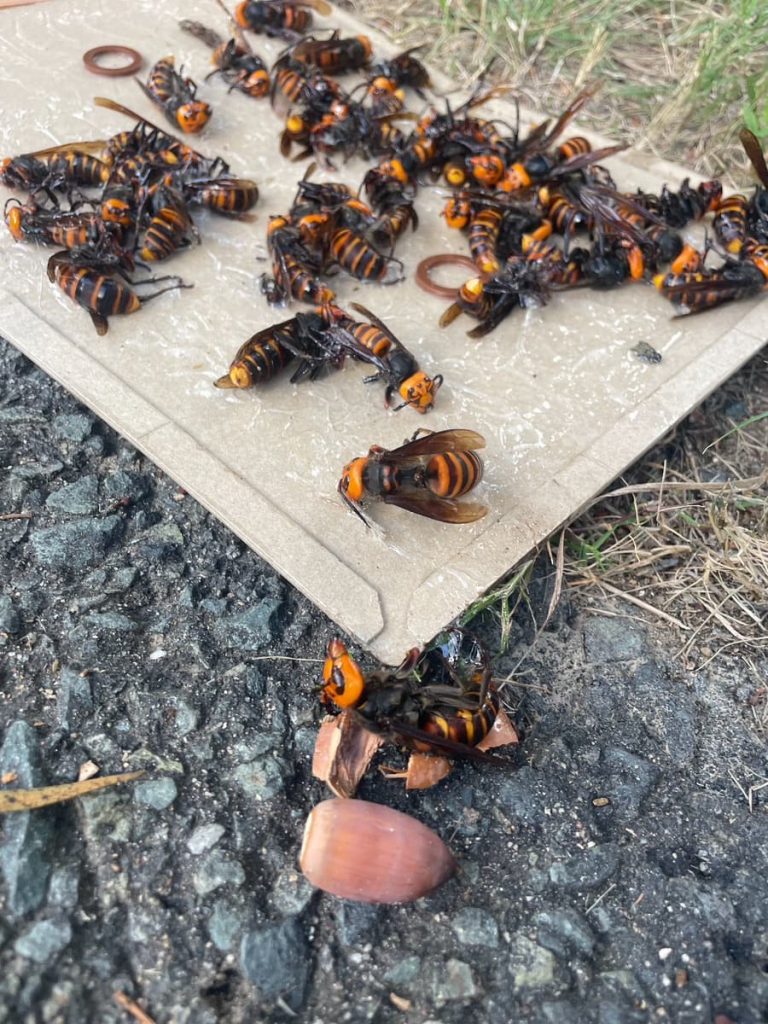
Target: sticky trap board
<point x="564" y="403"/>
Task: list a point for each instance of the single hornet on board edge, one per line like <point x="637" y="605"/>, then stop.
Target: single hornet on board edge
<point x="426" y="475"/>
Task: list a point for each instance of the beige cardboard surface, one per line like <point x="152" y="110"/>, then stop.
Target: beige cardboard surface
<point x="563" y="402"/>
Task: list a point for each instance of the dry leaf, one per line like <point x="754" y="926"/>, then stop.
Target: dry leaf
<point x="502" y="733"/>
<point x="343" y="753"/>
<point x="31" y="799"/>
<point x="426" y="770"/>
<point x="87" y="770"/>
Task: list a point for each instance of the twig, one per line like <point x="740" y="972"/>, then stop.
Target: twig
<point x="600" y="898"/>
<point x="127" y="1004"/>
<point x="8" y="517"/>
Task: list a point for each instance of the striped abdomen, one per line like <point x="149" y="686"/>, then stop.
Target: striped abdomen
<point x="94" y="291"/>
<point x="361" y="260"/>
<point x="300" y="283"/>
<point x="483" y="236"/>
<point x="452" y="474"/>
<point x="730" y="223"/>
<point x="164" y="81"/>
<point x="375" y="340"/>
<point x="576" y="146"/>
<point x="257" y="361"/>
<point x="227" y="196"/>
<point x="167" y="231"/>
<point x="462" y="725"/>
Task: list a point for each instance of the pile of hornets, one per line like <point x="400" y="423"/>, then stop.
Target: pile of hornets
<point x="541" y="213"/>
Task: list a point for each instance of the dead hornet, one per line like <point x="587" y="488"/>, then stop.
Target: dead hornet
<point x="425" y="475"/>
<point x="176" y="97"/>
<point x="440" y="700"/>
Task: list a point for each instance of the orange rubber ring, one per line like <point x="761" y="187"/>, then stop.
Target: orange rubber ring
<point x="89" y="59"/>
<point x="425" y="268"/>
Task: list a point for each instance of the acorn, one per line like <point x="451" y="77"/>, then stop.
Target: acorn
<point x="370" y="853"/>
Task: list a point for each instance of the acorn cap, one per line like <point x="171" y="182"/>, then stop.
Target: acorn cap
<point x="370" y="853"/>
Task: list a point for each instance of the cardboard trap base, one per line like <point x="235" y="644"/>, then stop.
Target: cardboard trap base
<point x="563" y="401"/>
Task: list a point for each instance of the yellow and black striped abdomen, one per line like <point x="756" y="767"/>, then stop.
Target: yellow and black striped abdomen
<point x="483" y="237"/>
<point x="453" y="473"/>
<point x="261" y="360"/>
<point x="464" y="725"/>
<point x="357" y="257"/>
<point x="165" y="234"/>
<point x="730" y="223"/>
<point x="96" y="292"/>
<point x="372" y="338"/>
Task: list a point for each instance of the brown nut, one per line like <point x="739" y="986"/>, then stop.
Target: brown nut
<point x="370" y="853"/>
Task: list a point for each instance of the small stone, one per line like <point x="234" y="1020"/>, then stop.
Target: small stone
<point x="124" y="485"/>
<point x="113" y="622"/>
<point x="44" y="940"/>
<point x="204" y="838"/>
<point x="10" y="620"/>
<point x="80" y="498"/>
<point x="159" y="542"/>
<point x="73" y="427"/>
<point x="251" y="629"/>
<point x="276" y="960"/>
<point x="181" y="717"/>
<point x="531" y="966"/>
<point x="37" y="470"/>
<point x="404" y="972"/>
<point x="64" y="888"/>
<point x="27" y="848"/>
<point x="121" y="579"/>
<point x="291" y="893"/>
<point x="225" y="925"/>
<point x="158" y="794"/>
<point x="591" y="868"/>
<point x="526" y="796"/>
<point x="452" y="981"/>
<point x="215" y="871"/>
<point x="261" y="779"/>
<point x="664" y="953"/>
<point x="356" y="922"/>
<point x="608" y="640"/>
<point x="476" y="927"/>
<point x="564" y="932"/>
<point x="75" y="545"/>
<point x="75" y="699"/>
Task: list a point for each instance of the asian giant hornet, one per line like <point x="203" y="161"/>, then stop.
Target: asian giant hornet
<point x="97" y="281"/>
<point x="68" y="228"/>
<point x="176" y="97"/>
<point x="294" y="267"/>
<point x="224" y="195"/>
<point x="58" y="167"/>
<point x="269" y="351"/>
<point x="374" y="343"/>
<point x="287" y="19"/>
<point x="233" y="59"/>
<point x="440" y="700"/>
<point x="425" y="475"/>
<point x="335" y="55"/>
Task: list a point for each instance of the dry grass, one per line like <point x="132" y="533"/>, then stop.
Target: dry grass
<point x="689" y="543"/>
<point x="680" y="76"/>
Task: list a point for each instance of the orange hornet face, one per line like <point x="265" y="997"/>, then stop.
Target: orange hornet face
<point x="193" y="117"/>
<point x="351" y="484"/>
<point x="343" y="680"/>
<point x="419" y="391"/>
